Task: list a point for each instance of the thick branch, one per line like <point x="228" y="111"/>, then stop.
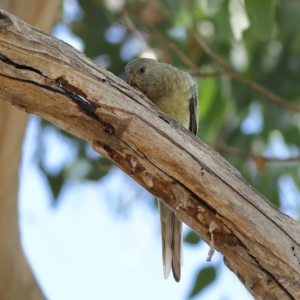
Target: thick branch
<point x="44" y="76"/>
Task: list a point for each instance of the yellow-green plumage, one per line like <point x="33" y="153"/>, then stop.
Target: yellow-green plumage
<point x="174" y="92"/>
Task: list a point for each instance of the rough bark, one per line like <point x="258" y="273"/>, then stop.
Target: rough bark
<point x="46" y="77"/>
<point x="16" y="278"/>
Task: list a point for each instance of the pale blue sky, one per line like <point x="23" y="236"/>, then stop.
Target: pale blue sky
<point x="82" y="249"/>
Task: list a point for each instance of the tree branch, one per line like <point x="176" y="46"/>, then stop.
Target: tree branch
<point x="44" y="76"/>
<point x="274" y="97"/>
<point x="185" y="59"/>
<point x="243" y="154"/>
<point x="130" y="25"/>
<point x="227" y="71"/>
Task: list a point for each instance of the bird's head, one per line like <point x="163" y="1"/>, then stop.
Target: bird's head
<point x="142" y="73"/>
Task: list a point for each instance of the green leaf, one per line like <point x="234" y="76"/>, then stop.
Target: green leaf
<point x="99" y="168"/>
<point x="205" y="277"/>
<point x="192" y="238"/>
<point x="56" y="182"/>
<point x="262" y="14"/>
<point x="155" y="202"/>
<point x="207" y="91"/>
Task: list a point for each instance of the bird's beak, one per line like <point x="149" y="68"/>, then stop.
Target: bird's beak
<point x="130" y="78"/>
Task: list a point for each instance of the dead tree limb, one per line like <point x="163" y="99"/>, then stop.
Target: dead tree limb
<point x="44" y="76"/>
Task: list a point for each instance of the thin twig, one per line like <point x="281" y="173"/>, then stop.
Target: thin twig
<point x="212" y="74"/>
<point x="243" y="154"/>
<point x="184" y="58"/>
<point x="102" y="167"/>
<point x="232" y="74"/>
<point x="130" y="25"/>
<point x="227" y="70"/>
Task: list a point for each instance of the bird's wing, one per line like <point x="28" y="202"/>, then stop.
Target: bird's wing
<point x="194" y="114"/>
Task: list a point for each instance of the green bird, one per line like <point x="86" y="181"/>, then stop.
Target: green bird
<point x="175" y="93"/>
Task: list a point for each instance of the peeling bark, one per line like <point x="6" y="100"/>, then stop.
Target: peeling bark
<point x="44" y="76"/>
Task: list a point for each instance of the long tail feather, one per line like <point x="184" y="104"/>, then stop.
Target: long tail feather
<point x="171" y="229"/>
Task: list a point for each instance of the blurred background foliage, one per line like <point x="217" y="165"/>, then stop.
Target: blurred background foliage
<point x="258" y="40"/>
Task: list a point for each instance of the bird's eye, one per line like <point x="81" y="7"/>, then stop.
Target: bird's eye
<point x="142" y="69"/>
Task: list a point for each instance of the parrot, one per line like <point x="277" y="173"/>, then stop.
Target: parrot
<point x="175" y="93"/>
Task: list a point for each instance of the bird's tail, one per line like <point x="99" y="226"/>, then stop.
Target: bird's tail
<point x="171" y="229"/>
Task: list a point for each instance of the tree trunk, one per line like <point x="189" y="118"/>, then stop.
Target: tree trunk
<point x="16" y="278"/>
<point x="44" y="76"/>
